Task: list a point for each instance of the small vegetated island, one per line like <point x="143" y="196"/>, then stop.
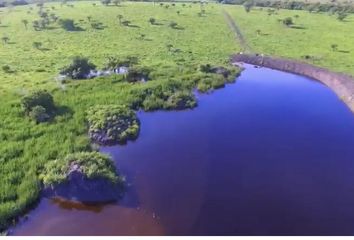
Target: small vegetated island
<point x="111" y="124"/>
<point x="83" y="176"/>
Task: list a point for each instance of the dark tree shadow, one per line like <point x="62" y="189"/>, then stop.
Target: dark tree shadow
<point x="179" y="28"/>
<point x="51" y="28"/>
<point x="98" y="26"/>
<point x="77" y="29"/>
<point x="132" y="26"/>
<point x="298" y="27"/>
<point x="64" y="110"/>
<point x="343" y="51"/>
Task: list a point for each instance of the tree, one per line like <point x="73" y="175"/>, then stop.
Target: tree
<point x="7" y="69"/>
<point x="5" y="39"/>
<point x="120" y="18"/>
<point x="37" y="45"/>
<point x="248" y="5"/>
<point x="38" y="98"/>
<point x="169" y="47"/>
<point x="36" y="25"/>
<point x="288" y="21"/>
<point x="43" y="23"/>
<point x="334" y="47"/>
<point x="54" y="17"/>
<point x="173" y="24"/>
<point x="68" y="25"/>
<point x="43" y="14"/>
<point x="341" y="16"/>
<point x="25" y="23"/>
<point x="39" y="114"/>
<point x="152" y="20"/>
<point x="79" y="68"/>
<point x="106" y="2"/>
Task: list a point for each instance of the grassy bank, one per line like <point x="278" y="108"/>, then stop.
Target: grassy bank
<point x="172" y="53"/>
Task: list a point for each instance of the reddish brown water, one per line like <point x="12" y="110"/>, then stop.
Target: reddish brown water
<point x="272" y="154"/>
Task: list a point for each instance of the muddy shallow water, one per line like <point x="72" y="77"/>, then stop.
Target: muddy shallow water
<point x="272" y="154"/>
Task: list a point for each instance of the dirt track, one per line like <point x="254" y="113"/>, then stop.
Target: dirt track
<point x="341" y="84"/>
<point x="233" y="26"/>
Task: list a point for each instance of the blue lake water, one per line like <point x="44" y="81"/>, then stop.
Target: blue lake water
<point x="272" y="154"/>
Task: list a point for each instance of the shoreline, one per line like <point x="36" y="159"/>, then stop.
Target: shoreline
<point x="342" y="84"/>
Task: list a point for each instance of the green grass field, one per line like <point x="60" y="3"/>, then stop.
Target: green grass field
<point x="26" y="146"/>
<point x="314" y="35"/>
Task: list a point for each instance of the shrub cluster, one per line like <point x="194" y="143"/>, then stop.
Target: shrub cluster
<point x="38" y="105"/>
<point x="166" y="95"/>
<point x="113" y="63"/>
<point x="79" y="68"/>
<point x="91" y="164"/>
<point x="69" y="25"/>
<point x="110" y="124"/>
<point x="136" y="74"/>
<point x="215" y="77"/>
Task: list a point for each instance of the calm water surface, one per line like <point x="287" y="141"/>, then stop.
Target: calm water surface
<point x="272" y="154"/>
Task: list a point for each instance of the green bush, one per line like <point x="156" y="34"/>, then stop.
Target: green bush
<point x="109" y="124"/>
<point x="38" y="98"/>
<point x="210" y="82"/>
<point x="181" y="100"/>
<point x="91" y="164"/>
<point x="69" y="25"/>
<point x="136" y="74"/>
<point x="288" y="21"/>
<point x="79" y="68"/>
<point x="114" y="62"/>
<point x="39" y="114"/>
<point x="7" y="69"/>
<point x="153" y="102"/>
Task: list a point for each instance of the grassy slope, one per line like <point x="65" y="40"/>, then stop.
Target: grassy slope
<point x="320" y="31"/>
<point x="25" y="147"/>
